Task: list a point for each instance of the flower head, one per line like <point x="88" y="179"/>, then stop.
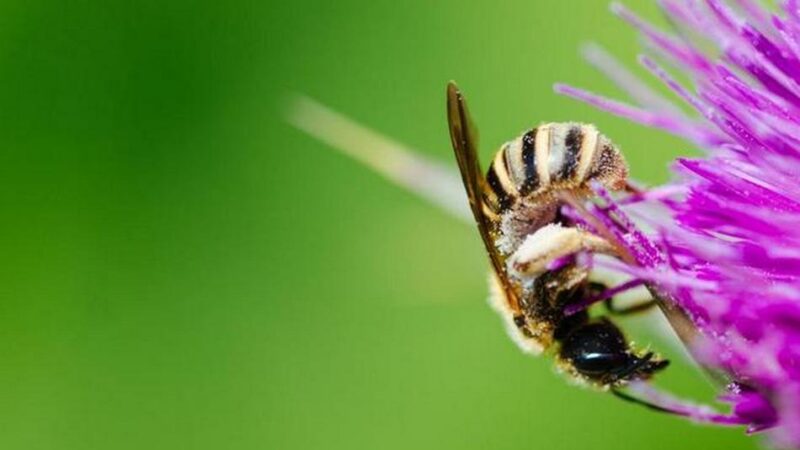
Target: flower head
<point x="729" y="252"/>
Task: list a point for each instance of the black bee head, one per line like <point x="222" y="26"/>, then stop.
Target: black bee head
<point x="599" y="351"/>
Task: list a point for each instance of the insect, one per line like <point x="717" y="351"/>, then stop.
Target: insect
<point x="517" y="207"/>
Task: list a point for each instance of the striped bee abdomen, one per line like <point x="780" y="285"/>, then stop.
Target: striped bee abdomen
<point x="551" y="156"/>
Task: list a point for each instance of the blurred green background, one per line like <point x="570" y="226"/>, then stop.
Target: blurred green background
<point x="185" y="270"/>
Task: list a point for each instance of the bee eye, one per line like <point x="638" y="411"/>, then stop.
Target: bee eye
<point x="596" y="349"/>
<point x="600" y="364"/>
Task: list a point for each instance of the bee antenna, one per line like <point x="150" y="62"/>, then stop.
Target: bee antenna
<point x="661" y="402"/>
<point x="629" y="398"/>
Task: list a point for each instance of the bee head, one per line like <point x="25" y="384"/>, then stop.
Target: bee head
<point x="598" y="351"/>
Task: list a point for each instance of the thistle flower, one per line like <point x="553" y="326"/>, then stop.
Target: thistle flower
<point x="725" y="252"/>
<point x="729" y="254"/>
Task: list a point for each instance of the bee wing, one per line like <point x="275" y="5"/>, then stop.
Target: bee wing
<point x="464" y="137"/>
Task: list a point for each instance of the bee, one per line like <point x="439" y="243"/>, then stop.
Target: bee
<point x="517" y="208"/>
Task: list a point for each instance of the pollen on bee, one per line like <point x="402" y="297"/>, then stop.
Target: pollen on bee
<point x="550" y="243"/>
<point x="499" y="302"/>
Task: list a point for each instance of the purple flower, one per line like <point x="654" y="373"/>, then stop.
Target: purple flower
<point x="720" y="245"/>
<point x="728" y="250"/>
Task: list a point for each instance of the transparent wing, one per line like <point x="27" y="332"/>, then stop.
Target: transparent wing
<point x="464" y="137"/>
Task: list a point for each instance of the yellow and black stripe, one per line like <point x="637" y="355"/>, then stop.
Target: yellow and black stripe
<point x="549" y="156"/>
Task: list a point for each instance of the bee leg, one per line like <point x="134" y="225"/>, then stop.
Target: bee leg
<point x="551" y="243"/>
<point x="629" y="398"/>
<point x="631" y="189"/>
<point x="628" y="310"/>
<point x="596" y="292"/>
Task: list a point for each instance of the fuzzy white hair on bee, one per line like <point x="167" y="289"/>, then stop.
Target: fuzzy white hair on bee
<point x="499" y="302"/>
